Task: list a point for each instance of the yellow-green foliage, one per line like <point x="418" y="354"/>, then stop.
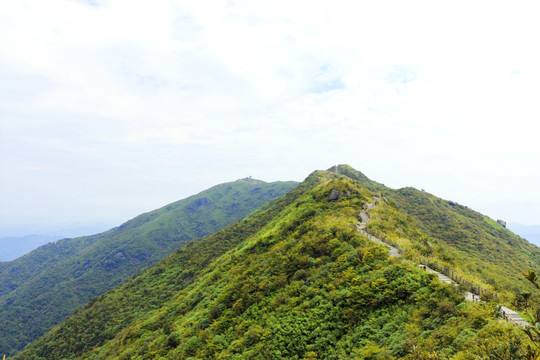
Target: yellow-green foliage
<point x="475" y="246"/>
<point x="470" y="243"/>
<point x="293" y="281"/>
<point x="399" y="229"/>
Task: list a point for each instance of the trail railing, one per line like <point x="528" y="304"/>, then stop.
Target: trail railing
<point x="473" y="288"/>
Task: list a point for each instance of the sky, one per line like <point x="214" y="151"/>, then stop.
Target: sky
<point x="111" y="108"/>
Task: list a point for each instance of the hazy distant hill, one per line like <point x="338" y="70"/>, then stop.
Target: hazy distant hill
<point x="12" y="247"/>
<point x="58" y="230"/>
<point x="40" y="289"/>
<point x="528" y="232"/>
<point x="297" y="280"/>
<point x="19" y="239"/>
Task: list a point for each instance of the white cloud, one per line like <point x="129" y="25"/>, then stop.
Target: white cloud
<point x="168" y="136"/>
<point x="97" y="95"/>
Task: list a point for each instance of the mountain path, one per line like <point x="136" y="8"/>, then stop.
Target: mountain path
<point x="445" y="279"/>
<point x="512" y="316"/>
<point x="364" y="217"/>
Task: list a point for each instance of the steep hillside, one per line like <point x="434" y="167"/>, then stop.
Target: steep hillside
<point x="295" y="280"/>
<point x="471" y="242"/>
<point x="45" y="286"/>
<point x="456" y="236"/>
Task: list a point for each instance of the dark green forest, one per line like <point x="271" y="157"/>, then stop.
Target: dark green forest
<point x="296" y="280"/>
<point x="40" y="289"/>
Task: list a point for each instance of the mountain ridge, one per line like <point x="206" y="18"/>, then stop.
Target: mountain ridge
<point x="297" y="280"/>
<point x="462" y="232"/>
<point x="69" y="272"/>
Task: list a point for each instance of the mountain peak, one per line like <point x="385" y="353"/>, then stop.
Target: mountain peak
<point x="347" y="170"/>
<point x="249" y="179"/>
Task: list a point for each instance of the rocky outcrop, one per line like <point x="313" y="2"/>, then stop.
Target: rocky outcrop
<point x="501" y="222"/>
<point x="334" y="195"/>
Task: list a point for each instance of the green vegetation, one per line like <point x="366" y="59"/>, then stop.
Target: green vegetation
<point x="470" y="243"/>
<point x="40" y="289"/>
<point x="295" y="280"/>
<point x="533" y="332"/>
<point x="455" y="236"/>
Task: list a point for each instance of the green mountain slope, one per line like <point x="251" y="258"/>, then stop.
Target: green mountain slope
<point x="295" y="280"/>
<point x="461" y="238"/>
<point x="45" y="286"/>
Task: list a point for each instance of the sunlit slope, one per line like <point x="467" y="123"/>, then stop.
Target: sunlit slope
<point x="463" y="239"/>
<point x="295" y="280"/>
<point x="42" y="288"/>
<point x="471" y="242"/>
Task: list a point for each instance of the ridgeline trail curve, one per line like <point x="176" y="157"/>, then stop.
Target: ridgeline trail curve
<point x="395" y="251"/>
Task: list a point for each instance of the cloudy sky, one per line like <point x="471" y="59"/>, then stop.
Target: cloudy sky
<point x="112" y="108"/>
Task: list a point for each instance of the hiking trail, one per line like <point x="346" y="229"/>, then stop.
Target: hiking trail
<point x="364" y="217"/>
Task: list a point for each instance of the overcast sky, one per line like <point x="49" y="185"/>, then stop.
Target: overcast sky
<point x="112" y="108"/>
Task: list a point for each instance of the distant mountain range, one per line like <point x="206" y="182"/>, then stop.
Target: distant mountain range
<point x="40" y="289"/>
<point x="302" y="278"/>
<point x="18" y="240"/>
<point x="60" y="230"/>
<point x="528" y="232"/>
<point x="12" y="247"/>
